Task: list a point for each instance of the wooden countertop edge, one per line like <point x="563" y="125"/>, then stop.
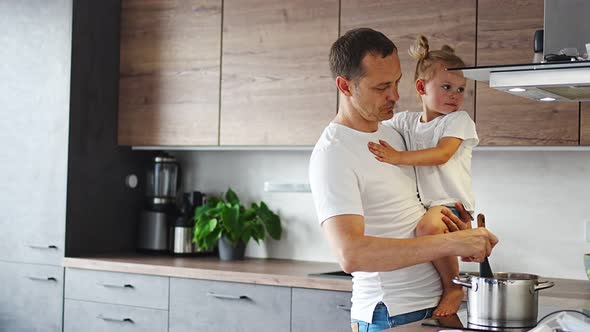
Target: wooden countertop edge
<point x="210" y="274"/>
<point x="565" y="288"/>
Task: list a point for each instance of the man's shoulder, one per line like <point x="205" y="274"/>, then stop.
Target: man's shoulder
<point x="330" y="142"/>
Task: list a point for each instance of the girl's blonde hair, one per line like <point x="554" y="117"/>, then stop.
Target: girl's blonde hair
<point x="429" y="60"/>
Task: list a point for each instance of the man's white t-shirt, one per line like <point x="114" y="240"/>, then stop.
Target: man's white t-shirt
<point x="450" y="182"/>
<point x="346" y="178"/>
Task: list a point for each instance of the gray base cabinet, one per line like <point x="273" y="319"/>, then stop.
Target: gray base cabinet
<point x="115" y="302"/>
<point x="94" y="317"/>
<point x="117" y="288"/>
<point x="320" y="310"/>
<point x="31" y="297"/>
<point x="202" y="305"/>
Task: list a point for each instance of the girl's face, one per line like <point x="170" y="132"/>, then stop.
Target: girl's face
<point x="443" y="93"/>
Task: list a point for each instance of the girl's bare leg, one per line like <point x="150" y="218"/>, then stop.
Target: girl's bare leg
<point x="447" y="267"/>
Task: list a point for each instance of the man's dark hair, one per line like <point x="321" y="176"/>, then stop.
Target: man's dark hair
<point x="348" y="51"/>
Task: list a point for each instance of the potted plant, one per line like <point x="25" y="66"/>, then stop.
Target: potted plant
<point x="227" y="223"/>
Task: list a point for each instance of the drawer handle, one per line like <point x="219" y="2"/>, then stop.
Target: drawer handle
<point x="126" y="286"/>
<point x="42" y="278"/>
<point x="343" y="307"/>
<point x="117" y="320"/>
<point x="36" y="246"/>
<point x="228" y="297"/>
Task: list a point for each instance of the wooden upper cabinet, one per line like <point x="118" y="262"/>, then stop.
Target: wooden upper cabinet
<point x="276" y="84"/>
<point x="449" y="22"/>
<point x="585" y="124"/>
<point x="169" y="72"/>
<point x="505" y="36"/>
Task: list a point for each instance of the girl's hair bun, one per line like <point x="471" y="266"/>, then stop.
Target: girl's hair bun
<point x="420" y="49"/>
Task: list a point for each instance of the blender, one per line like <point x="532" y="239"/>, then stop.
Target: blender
<point x="162" y="184"/>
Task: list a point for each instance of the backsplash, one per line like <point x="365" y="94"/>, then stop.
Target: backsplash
<point x="533" y="200"/>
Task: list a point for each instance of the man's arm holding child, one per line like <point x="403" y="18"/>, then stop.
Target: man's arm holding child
<point x="358" y="252"/>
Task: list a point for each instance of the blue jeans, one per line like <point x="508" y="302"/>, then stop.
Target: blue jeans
<point x="382" y="321"/>
<point x="455" y="211"/>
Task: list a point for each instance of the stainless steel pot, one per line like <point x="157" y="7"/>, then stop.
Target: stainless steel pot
<point x="507" y="300"/>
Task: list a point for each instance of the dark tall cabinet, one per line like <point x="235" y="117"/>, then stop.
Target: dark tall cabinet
<point x="101" y="210"/>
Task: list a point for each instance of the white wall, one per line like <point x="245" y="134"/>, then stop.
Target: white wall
<point x="535" y="201"/>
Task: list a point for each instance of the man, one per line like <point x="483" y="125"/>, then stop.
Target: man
<point x="368" y="209"/>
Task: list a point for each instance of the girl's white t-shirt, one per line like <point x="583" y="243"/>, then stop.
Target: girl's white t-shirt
<point x="450" y="182"/>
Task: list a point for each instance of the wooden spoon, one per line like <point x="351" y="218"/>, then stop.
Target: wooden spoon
<point x="485" y="270"/>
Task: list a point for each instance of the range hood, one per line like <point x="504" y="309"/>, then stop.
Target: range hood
<point x="566" y="25"/>
<point x="551" y="81"/>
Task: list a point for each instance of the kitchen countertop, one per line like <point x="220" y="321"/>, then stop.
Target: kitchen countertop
<point x="276" y="272"/>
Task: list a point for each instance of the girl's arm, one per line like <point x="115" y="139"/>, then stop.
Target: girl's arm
<point x="447" y="146"/>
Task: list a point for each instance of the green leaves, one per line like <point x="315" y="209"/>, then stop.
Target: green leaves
<point x="231" y="197"/>
<point x="230" y="218"/>
<point x="271" y="221"/>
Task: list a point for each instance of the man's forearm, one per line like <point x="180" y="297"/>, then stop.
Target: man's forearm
<point x="375" y="254"/>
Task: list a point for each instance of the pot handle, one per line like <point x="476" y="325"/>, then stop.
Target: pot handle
<point x="458" y="281"/>
<point x="543" y="285"/>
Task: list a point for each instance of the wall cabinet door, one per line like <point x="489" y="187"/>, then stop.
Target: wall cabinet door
<point x="320" y="310"/>
<point x="202" y="305"/>
<point x="31" y="297"/>
<point x="276" y="87"/>
<point x="505" y="36"/>
<point x="442" y="22"/>
<point x="169" y="72"/>
<point x="585" y="123"/>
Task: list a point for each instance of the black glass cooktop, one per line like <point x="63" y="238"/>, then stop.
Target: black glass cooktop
<point x="459" y="321"/>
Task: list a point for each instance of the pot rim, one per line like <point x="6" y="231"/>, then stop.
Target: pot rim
<point x="513" y="276"/>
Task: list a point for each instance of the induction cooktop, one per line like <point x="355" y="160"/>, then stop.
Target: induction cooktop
<point x="459" y="321"/>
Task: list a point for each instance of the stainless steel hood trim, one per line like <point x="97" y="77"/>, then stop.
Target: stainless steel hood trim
<point x="482" y="73"/>
<point x="562" y="85"/>
<point x="572" y="77"/>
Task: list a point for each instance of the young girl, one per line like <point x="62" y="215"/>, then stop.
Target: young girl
<point x="440" y="140"/>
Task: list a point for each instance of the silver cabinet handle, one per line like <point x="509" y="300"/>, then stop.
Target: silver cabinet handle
<point x="36" y="246"/>
<point x="42" y="278"/>
<point x="125" y="286"/>
<point x="117" y="320"/>
<point x="228" y="297"/>
<point x="343" y="307"/>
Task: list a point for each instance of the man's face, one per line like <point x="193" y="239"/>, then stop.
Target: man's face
<point x="374" y="95"/>
<point x="445" y="91"/>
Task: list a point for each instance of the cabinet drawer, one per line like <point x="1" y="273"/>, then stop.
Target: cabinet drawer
<point x="320" y="310"/>
<point x="91" y="317"/>
<point x="117" y="288"/>
<point x="201" y="305"/>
